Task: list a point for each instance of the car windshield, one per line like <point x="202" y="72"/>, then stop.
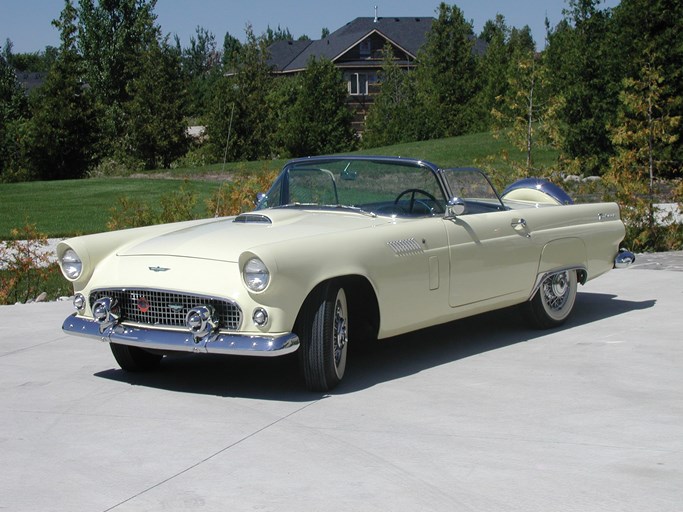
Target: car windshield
<point x="376" y="186"/>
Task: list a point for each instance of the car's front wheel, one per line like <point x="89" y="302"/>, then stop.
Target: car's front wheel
<point x="134" y="359"/>
<point x="324" y="335"/>
<point x="553" y="302"/>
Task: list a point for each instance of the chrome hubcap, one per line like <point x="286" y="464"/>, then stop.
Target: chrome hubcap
<point x="340" y="333"/>
<point x="556" y="290"/>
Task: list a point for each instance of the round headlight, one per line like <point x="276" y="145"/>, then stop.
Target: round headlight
<point x="256" y="275"/>
<point x="71" y="264"/>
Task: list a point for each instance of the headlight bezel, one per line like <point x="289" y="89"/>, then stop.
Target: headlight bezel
<point x="71" y="264"/>
<point x="255" y="275"/>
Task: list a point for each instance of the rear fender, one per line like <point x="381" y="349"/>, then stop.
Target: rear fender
<point x="560" y="255"/>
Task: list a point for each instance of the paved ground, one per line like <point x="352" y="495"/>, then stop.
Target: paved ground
<point x="476" y="415"/>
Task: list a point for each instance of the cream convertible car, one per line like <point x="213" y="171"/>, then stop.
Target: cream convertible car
<point x="340" y="250"/>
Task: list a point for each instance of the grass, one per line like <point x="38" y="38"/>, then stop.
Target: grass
<point x="73" y="207"/>
<point x="464" y="151"/>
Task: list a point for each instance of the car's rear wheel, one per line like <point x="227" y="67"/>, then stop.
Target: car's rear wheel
<point x="323" y="332"/>
<point x="554" y="301"/>
<point x="134" y="359"/>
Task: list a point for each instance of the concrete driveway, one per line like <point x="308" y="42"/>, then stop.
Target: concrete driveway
<point x="476" y="415"/>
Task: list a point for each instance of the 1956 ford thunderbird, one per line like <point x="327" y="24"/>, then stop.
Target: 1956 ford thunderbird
<point x="340" y="250"/>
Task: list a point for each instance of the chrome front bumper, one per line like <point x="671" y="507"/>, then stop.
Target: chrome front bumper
<point x="178" y="341"/>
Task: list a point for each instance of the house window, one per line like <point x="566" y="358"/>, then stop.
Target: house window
<point x="365" y="48"/>
<point x="358" y="84"/>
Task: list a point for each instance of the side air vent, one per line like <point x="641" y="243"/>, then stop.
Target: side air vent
<point x="252" y="218"/>
<point x="405" y="247"/>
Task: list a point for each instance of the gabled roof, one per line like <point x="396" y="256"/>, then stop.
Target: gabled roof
<point x="406" y="33"/>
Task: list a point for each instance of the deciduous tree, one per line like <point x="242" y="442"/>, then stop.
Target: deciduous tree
<point x="644" y="128"/>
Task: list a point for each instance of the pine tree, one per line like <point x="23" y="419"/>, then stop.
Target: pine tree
<point x="584" y="74"/>
<point x="238" y="120"/>
<point x="201" y="65"/>
<point x="13" y="115"/>
<point x="156" y="133"/>
<point x="390" y="118"/>
<point x="653" y="28"/>
<point x="446" y="75"/>
<point x="497" y="67"/>
<point x="63" y="123"/>
<point x="318" y="122"/>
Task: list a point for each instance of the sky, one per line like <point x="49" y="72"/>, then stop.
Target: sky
<point x="27" y="23"/>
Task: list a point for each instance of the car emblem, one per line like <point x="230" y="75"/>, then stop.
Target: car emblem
<point x="175" y="307"/>
<point x="143" y="305"/>
<point x="158" y="269"/>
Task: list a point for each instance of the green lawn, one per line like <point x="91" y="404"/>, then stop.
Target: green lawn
<point x="72" y="207"/>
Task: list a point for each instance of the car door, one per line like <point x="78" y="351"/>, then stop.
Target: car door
<point x="493" y="256"/>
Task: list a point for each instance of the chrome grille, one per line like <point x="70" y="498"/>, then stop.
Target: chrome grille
<point x="167" y="309"/>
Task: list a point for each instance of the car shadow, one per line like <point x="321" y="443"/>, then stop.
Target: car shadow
<point x="414" y="352"/>
<point x="371" y="364"/>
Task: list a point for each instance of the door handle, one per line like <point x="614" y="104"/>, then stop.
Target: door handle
<point x="519" y="225"/>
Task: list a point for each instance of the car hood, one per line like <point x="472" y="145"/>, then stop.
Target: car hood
<point x="226" y="238"/>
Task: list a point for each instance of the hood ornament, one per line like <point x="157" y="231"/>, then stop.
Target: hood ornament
<point x="159" y="269"/>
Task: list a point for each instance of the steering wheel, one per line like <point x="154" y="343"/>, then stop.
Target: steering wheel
<point x="413" y="200"/>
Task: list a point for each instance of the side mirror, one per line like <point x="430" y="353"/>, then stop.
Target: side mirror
<point x="259" y="197"/>
<point x="455" y="208"/>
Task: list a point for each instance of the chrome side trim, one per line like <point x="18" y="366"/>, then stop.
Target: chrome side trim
<point x="581" y="277"/>
<point x="169" y="340"/>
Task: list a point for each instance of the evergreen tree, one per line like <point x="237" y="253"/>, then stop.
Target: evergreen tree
<point x="390" y="118"/>
<point x="652" y="29"/>
<point x="238" y="126"/>
<point x="13" y="115"/>
<point x="201" y="64"/>
<point x="318" y="122"/>
<point x="63" y="122"/>
<point x="584" y="73"/>
<point x="271" y="36"/>
<point x="446" y="75"/>
<point x="493" y="69"/>
<point x="156" y="133"/>
<point x="231" y="50"/>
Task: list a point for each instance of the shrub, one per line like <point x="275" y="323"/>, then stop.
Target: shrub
<point x="24" y="265"/>
<point x="237" y="195"/>
<point x="173" y="207"/>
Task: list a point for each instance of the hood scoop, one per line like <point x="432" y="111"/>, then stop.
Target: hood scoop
<point x="252" y="218"/>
